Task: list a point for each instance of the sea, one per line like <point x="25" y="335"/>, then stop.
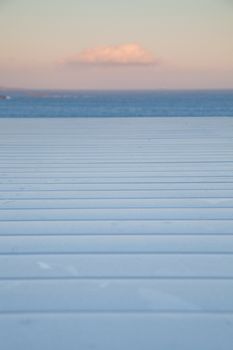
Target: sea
<point x="110" y="104"/>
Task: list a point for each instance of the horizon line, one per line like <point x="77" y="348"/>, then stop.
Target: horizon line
<point x="112" y="89"/>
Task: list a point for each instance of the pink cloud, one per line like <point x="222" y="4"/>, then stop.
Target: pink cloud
<point x="123" y="55"/>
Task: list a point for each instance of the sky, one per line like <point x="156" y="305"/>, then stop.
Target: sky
<point x="116" y="44"/>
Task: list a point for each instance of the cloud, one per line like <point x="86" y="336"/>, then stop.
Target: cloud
<point x="122" y="55"/>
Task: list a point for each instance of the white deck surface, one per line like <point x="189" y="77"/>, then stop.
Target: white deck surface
<point x="116" y="234"/>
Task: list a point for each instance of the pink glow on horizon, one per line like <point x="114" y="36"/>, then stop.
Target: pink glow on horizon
<point x="127" y="54"/>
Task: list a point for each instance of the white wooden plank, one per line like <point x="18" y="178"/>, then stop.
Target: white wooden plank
<point x="117" y="227"/>
<point x="116" y="266"/>
<point x="116" y="203"/>
<point x="57" y="179"/>
<point x="109" y="175"/>
<point x="175" y="166"/>
<point x="192" y="244"/>
<point x="124" y="186"/>
<point x="116" y="295"/>
<point x="117" y="214"/>
<point x="116" y="234"/>
<point x="119" y="331"/>
<point x="101" y="194"/>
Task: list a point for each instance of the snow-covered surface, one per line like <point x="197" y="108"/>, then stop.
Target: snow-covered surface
<point x="116" y="234"/>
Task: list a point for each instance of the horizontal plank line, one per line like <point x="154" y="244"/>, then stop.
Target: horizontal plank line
<point x="116" y="312"/>
<point x="199" y="234"/>
<point x="118" y="198"/>
<point x="129" y="220"/>
<point x="19" y="254"/>
<point x="14" y="199"/>
<point x="116" y="220"/>
<point x="117" y="234"/>
<point x="65" y="162"/>
<point x="119" y="190"/>
<point x="63" y="182"/>
<point x="154" y="162"/>
<point x="93" y="176"/>
<point x="98" y="152"/>
<point x="109" y="208"/>
<point x="117" y="278"/>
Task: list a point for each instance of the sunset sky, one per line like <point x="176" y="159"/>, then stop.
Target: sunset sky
<point x="101" y="44"/>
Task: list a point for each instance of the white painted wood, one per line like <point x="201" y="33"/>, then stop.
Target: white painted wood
<point x="116" y="234"/>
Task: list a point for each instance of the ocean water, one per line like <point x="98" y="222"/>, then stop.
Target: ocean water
<point x="198" y="103"/>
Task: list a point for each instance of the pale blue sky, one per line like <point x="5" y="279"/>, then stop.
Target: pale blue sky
<point x="192" y="41"/>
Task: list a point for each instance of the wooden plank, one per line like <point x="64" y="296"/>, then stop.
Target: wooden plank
<point x="124" y="186"/>
<point x="116" y="234"/>
<point x="110" y="265"/>
<point x="104" y="295"/>
<point x="101" y="194"/>
<point x="117" y="331"/>
<point x="86" y="203"/>
<point x="204" y="244"/>
<point x="116" y="227"/>
<point x="117" y="214"/>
